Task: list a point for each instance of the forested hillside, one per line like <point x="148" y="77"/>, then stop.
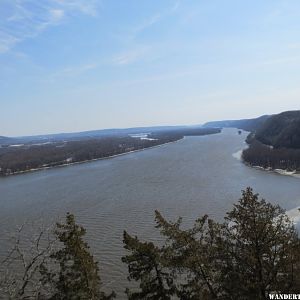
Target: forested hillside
<point x="276" y="143"/>
<point x="274" y="140"/>
<point x="281" y="131"/>
<point x="245" y="124"/>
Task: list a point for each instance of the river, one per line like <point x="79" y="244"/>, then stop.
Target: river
<point x="188" y="178"/>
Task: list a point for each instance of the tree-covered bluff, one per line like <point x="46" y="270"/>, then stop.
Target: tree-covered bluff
<point x="281" y="131"/>
<point x="276" y="143"/>
<point x="244" y="124"/>
<point x="274" y="140"/>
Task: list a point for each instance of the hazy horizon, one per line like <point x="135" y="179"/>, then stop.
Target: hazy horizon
<point x="79" y="65"/>
<point x="116" y="128"/>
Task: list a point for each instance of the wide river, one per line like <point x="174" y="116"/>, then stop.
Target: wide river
<point x="188" y="178"/>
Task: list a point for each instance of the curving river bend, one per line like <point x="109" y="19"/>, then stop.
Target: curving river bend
<point x="189" y="178"/>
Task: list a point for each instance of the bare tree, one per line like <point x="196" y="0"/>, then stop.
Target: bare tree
<point x="20" y="276"/>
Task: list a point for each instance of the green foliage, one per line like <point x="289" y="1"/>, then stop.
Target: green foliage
<point x="262" y="249"/>
<point x="78" y="274"/>
<point x="254" y="252"/>
<point x="191" y="255"/>
<point x="146" y="265"/>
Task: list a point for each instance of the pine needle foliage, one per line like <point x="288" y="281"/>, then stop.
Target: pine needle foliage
<point x="78" y="276"/>
<point x="146" y="265"/>
<point x="253" y="253"/>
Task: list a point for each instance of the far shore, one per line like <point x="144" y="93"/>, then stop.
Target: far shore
<point x="89" y="160"/>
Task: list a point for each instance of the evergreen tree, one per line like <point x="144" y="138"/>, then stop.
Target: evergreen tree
<point x="253" y="253"/>
<point x="145" y="264"/>
<point x="77" y="277"/>
<point x="260" y="250"/>
<point x="192" y="256"/>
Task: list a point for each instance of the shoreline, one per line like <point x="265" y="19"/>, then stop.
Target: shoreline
<point x="238" y="156"/>
<point x="283" y="172"/>
<point x="86" y="161"/>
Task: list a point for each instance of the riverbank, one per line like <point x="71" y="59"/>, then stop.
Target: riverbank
<point x="28" y="158"/>
<point x="238" y="156"/>
<point x="120" y="194"/>
<point x="278" y="171"/>
<point x="86" y="161"/>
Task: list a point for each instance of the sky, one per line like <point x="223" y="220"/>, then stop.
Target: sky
<point x="75" y="65"/>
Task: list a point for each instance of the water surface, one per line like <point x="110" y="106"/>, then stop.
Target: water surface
<point x="188" y="178"/>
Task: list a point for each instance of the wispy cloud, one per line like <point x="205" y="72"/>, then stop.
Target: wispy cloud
<point x="56" y="14"/>
<point x="72" y="71"/>
<point x="175" y="6"/>
<point x="137" y="50"/>
<point x="7" y="41"/>
<point x="88" y="7"/>
<point x="22" y="19"/>
<point x="79" y="69"/>
<point x="146" y="24"/>
<point x="130" y="56"/>
<point x="153" y="19"/>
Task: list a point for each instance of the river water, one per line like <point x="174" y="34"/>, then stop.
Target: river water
<point x="188" y="178"/>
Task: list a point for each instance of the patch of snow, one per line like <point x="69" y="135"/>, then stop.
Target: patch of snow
<point x="139" y="135"/>
<point x="41" y="144"/>
<point x="238" y="154"/>
<point x="16" y="145"/>
<point x="285" y="172"/>
<point x="142" y="136"/>
<point x="148" y="139"/>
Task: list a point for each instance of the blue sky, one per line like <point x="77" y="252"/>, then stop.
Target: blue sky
<point x="74" y="65"/>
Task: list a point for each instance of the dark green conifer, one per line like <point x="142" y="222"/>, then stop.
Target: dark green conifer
<point x="253" y="253"/>
<point x="77" y="277"/>
<point x="146" y="265"/>
<point x="260" y="250"/>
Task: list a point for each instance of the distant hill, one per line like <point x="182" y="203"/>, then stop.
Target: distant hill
<point x="4" y="140"/>
<point x="281" y="131"/>
<point x="99" y="133"/>
<point x="245" y="124"/>
<point x="86" y="135"/>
